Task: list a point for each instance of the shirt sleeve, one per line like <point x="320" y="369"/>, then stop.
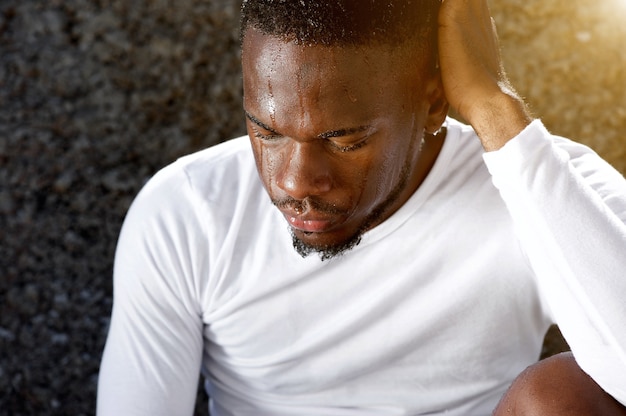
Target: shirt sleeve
<point x="151" y="363"/>
<point x="569" y="209"/>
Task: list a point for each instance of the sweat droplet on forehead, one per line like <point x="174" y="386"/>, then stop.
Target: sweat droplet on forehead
<point x="306" y="90"/>
<point x="271" y="101"/>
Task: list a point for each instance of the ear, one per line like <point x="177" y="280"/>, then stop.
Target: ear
<point x="438" y="104"/>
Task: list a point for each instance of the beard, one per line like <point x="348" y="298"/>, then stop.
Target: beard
<point x="327" y="252"/>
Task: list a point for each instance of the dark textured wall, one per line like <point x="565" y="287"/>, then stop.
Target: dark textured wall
<point x="96" y="95"/>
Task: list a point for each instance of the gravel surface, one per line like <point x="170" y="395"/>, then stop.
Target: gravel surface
<point x="96" y="95"/>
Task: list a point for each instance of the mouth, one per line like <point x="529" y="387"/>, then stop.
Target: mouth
<point x="319" y="227"/>
<point x="310" y="217"/>
<point x="309" y="225"/>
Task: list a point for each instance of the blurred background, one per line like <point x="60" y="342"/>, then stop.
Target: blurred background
<point x="97" y="95"/>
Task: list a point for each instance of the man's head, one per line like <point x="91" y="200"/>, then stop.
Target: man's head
<point x="337" y="97"/>
<point x="346" y="22"/>
<point x="342" y="22"/>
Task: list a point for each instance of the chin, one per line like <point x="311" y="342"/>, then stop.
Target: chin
<point x="306" y="244"/>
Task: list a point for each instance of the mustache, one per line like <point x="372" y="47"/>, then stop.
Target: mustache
<point x="306" y="205"/>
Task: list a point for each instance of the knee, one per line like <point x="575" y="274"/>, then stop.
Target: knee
<point x="555" y="386"/>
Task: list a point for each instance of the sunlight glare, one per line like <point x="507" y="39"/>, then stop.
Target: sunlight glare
<point x="619" y="4"/>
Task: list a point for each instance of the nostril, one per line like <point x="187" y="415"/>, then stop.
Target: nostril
<point x="323" y="184"/>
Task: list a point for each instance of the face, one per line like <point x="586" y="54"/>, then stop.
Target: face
<point x="337" y="133"/>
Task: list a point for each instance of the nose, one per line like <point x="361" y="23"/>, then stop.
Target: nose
<point x="305" y="170"/>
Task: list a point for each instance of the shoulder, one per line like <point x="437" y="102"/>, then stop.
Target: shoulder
<point x="463" y="141"/>
<point x="213" y="169"/>
<point x="461" y="155"/>
<point x="218" y="173"/>
<point x="194" y="197"/>
<point x="178" y="224"/>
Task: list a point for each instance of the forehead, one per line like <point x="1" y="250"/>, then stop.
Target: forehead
<point x="268" y="53"/>
<point x="282" y="73"/>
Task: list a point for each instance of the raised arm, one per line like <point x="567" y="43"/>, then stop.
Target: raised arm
<point x="473" y="76"/>
<point x="569" y="206"/>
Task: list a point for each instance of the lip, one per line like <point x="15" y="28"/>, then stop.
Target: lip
<point x="309" y="222"/>
<point x="309" y="225"/>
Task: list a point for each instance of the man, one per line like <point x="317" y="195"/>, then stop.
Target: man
<point x="425" y="271"/>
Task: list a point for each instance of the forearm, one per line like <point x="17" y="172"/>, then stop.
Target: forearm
<point x="473" y="75"/>
<point x="499" y="118"/>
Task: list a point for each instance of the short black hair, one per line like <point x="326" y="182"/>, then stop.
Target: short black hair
<point x="343" y="22"/>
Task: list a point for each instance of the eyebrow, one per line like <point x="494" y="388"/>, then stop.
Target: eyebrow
<point x="326" y="135"/>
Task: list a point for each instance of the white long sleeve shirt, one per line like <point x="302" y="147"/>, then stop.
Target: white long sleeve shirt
<point x="435" y="312"/>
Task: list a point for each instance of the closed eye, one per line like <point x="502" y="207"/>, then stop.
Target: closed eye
<point x="262" y="136"/>
<point x="344" y="139"/>
<point x="350" y="148"/>
<point x="338" y="139"/>
<point x="344" y="147"/>
<point x="259" y="125"/>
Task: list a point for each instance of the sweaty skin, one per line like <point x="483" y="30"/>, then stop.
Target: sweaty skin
<point x="337" y="131"/>
<point x="473" y="75"/>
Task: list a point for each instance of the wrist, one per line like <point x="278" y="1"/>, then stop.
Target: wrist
<point x="499" y="118"/>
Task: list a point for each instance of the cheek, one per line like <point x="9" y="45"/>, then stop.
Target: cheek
<point x="384" y="172"/>
<point x="268" y="160"/>
<point x="362" y="180"/>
